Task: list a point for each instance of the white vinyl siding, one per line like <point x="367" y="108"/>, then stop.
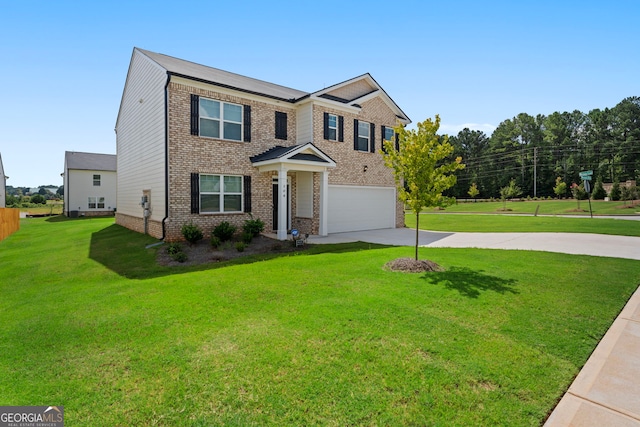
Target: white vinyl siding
<point x="81" y="195"/>
<point x="304" y="123"/>
<point x="140" y="138"/>
<point x="304" y="196"/>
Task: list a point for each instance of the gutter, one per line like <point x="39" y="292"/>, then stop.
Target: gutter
<point x="166" y="156"/>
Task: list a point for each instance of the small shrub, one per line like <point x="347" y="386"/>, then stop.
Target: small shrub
<point x="253" y="226"/>
<point x="224" y="231"/>
<point x="192" y="233"/>
<point x="247" y="237"/>
<point x="180" y="257"/>
<point x="174" y="248"/>
<point x="240" y="246"/>
<point x="215" y="242"/>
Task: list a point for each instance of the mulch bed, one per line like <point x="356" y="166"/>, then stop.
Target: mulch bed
<point x="203" y="253"/>
<point x="410" y="265"/>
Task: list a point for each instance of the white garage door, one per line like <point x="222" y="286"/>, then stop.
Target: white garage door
<point x="353" y="208"/>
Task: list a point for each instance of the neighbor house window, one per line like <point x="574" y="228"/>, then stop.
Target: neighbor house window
<point x="96" y="203"/>
<point x="363" y="136"/>
<point x="220" y="120"/>
<point x="220" y="193"/>
<point x="96" y="180"/>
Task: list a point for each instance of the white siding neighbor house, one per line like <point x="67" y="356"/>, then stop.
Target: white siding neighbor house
<point x="200" y="145"/>
<point x="3" y="186"/>
<point x="89" y="184"/>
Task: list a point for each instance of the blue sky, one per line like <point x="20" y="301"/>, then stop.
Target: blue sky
<point x="64" y="63"/>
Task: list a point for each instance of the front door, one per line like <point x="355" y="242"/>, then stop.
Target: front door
<point x="276" y="199"/>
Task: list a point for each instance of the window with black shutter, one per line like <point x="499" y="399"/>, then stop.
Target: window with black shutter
<point x="195" y="193"/>
<point x="247" y="193"/>
<point x="195" y="114"/>
<point x="281" y="125"/>
<point x="247" y="123"/>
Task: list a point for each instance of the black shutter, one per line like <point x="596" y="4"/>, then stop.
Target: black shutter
<point x="383" y="130"/>
<point x="281" y="125"/>
<point x="195" y="114"/>
<point x="247" y="193"/>
<point x="340" y="128"/>
<point x="195" y="193"/>
<point x="397" y="141"/>
<point x="247" y="123"/>
<point x="326" y="125"/>
<point x="372" y="138"/>
<point x="355" y="134"/>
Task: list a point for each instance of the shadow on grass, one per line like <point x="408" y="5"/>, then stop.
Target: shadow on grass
<point x="471" y="283"/>
<point x="125" y="252"/>
<point x="63" y="218"/>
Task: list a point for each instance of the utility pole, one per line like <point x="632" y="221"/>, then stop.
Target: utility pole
<point x="535" y="170"/>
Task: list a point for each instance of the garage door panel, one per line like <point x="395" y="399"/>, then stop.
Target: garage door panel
<point x="360" y="208"/>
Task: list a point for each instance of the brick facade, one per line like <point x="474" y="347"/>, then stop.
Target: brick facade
<point x="188" y="154"/>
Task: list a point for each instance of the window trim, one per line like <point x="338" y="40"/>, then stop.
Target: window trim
<point x="330" y="128"/>
<point x="221" y="120"/>
<point x="96" y="201"/>
<point x="98" y="180"/>
<point x="221" y="194"/>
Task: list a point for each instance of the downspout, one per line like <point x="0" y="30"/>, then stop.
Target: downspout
<point x="166" y="155"/>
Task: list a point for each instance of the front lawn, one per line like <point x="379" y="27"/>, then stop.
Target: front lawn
<point x="322" y="337"/>
<point x="522" y="224"/>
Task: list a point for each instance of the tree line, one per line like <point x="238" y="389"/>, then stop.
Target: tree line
<point x="536" y="151"/>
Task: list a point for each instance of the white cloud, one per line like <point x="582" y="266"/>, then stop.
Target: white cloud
<point x="454" y="129"/>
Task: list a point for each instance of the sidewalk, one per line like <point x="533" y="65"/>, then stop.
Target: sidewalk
<point x="606" y="391"/>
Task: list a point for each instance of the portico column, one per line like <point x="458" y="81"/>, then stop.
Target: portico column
<point x="324" y="203"/>
<point x="282" y="204"/>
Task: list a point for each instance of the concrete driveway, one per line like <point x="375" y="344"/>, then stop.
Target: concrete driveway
<point x="568" y="243"/>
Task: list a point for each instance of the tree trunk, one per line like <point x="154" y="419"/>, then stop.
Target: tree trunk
<point x="417" y="228"/>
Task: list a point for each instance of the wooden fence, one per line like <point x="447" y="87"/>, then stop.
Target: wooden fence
<point x="9" y="222"/>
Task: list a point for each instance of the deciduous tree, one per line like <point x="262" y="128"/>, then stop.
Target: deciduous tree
<point x="422" y="167"/>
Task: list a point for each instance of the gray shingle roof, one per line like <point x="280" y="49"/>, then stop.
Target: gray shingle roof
<point x="223" y="78"/>
<point x="90" y="161"/>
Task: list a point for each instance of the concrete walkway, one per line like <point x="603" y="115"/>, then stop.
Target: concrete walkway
<point x="606" y="392"/>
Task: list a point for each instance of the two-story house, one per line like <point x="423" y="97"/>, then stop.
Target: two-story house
<point x="89" y="181"/>
<point x="200" y="145"/>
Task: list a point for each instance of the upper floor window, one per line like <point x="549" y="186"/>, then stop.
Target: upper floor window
<point x="96" y="180"/>
<point x="220" y="120"/>
<point x="364" y="136"/>
<point x="333" y="127"/>
<point x="281" y="125"/>
<point x="388" y="134"/>
<point x="217" y="119"/>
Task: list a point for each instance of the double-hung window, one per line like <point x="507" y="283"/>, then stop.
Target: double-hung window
<point x="96" y="180"/>
<point x="364" y="136"/>
<point x="220" y="120"/>
<point x="95" y="203"/>
<point x="332" y="127"/>
<point x="220" y="193"/>
<point x="389" y="134"/>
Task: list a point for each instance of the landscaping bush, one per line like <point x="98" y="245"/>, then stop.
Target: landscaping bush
<point x="247" y="237"/>
<point x="174" y="248"/>
<point x="253" y="226"/>
<point x="240" y="246"/>
<point x="180" y="257"/>
<point x="192" y="233"/>
<point x="224" y="231"/>
<point x="215" y="242"/>
<point x="615" y="193"/>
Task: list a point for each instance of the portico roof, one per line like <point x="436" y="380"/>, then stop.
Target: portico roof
<point x="303" y="157"/>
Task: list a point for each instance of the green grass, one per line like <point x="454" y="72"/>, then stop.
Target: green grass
<point x="522" y="224"/>
<point x="324" y="337"/>
<point x="548" y="207"/>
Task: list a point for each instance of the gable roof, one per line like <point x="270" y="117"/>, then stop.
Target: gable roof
<point x="215" y="76"/>
<point x="301" y="152"/>
<point x="90" y="161"/>
<point x="348" y="93"/>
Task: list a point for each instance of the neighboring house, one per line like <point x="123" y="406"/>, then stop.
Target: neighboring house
<point x="200" y="145"/>
<point x="3" y="186"/>
<point x="89" y="184"/>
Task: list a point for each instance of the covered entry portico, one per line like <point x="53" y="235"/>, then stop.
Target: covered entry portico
<point x="297" y="158"/>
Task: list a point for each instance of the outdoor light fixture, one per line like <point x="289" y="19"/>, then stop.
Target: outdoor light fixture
<point x="364" y="169"/>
